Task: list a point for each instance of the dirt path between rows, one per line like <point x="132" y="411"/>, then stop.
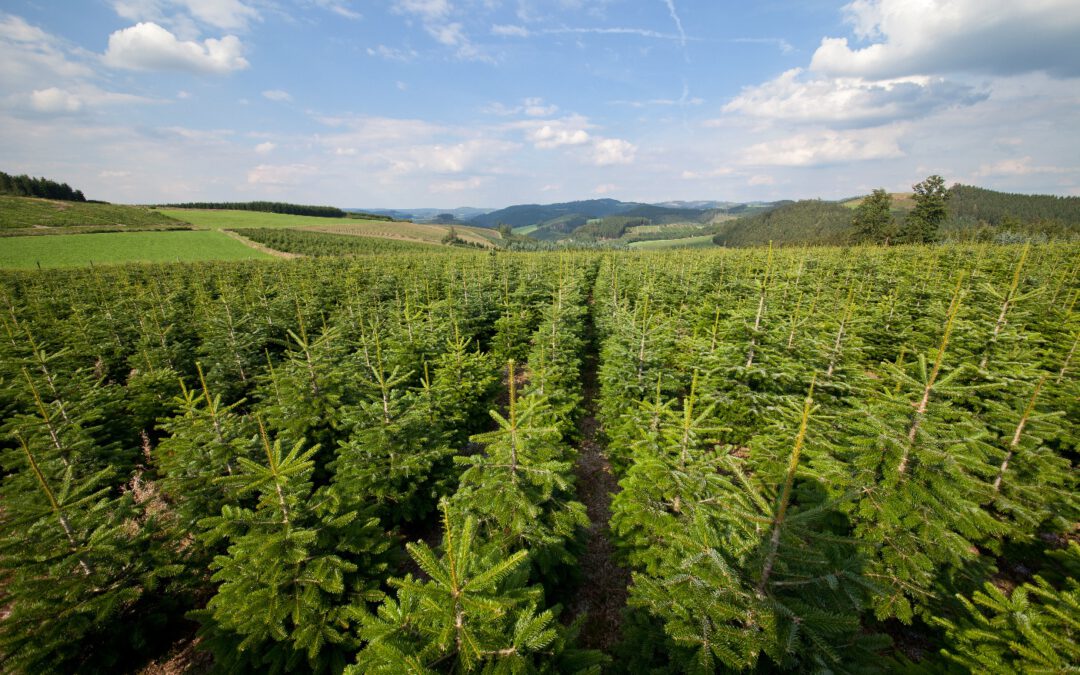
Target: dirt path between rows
<point x="602" y="596"/>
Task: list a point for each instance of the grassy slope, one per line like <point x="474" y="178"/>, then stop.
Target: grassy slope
<point x="703" y="241"/>
<point x="901" y="201"/>
<point x="29" y="212"/>
<point x="121" y="247"/>
<point x="366" y="228"/>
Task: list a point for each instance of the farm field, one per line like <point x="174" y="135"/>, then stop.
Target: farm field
<point x="446" y="460"/>
<point x="419" y="232"/>
<point x="77" y="250"/>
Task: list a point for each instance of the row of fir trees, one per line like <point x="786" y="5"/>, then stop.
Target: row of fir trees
<point x="845" y="463"/>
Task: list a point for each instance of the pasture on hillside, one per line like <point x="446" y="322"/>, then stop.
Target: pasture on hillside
<point x="77" y="250"/>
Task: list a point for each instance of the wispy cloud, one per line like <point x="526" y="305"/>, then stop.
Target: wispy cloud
<point x="277" y="95"/>
<point x="678" y="23"/>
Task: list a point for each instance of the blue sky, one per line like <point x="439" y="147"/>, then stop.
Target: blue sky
<point x="444" y="103"/>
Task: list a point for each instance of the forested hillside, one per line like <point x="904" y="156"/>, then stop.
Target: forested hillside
<point x="810" y="221"/>
<point x="969" y="204"/>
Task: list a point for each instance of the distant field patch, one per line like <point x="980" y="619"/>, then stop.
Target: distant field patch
<point x="704" y="241"/>
<point x="900" y="200"/>
<point x="416" y="232"/>
<point x="76" y="250"/>
<point x="526" y="229"/>
<point x="217" y="220"/>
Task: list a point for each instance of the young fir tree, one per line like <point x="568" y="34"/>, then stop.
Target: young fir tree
<point x="473" y="614"/>
<point x="298" y="573"/>
<point x="760" y="570"/>
<point x="1035" y="628"/>
<point x="922" y="467"/>
<point x="204" y="443"/>
<point x="520" y="489"/>
<point x="1033" y="488"/>
<point x="73" y="560"/>
<point x="393" y="448"/>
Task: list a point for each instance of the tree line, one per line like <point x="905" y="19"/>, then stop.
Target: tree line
<point x="29" y="186"/>
<point x="265" y="207"/>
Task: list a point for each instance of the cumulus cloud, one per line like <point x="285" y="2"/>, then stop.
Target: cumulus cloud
<point x="557" y="134"/>
<point x="940" y="36"/>
<point x="148" y="46"/>
<point x="265" y="148"/>
<point x="850" y="101"/>
<point x="826" y="147"/>
<point x="277" y="95"/>
<point x="608" y="151"/>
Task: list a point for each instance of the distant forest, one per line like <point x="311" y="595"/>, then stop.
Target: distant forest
<point x="266" y="207"/>
<point x="974" y="204"/>
<point x="28" y="186"/>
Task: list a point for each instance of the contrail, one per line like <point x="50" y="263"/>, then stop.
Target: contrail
<point x="678" y="22"/>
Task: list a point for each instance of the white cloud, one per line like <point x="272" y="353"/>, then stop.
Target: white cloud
<point x="534" y="107"/>
<point x="277" y="95"/>
<point x="941" y="36"/>
<point x="53" y="100"/>
<point x="428" y="9"/>
<point x="111" y="173"/>
<point x="265" y="148"/>
<point x="148" y="46"/>
<point x="179" y="14"/>
<point x="504" y="30"/>
<point x="556" y="134"/>
<point x="183" y="95"/>
<point x="850" y="101"/>
<point x="827" y="147"/>
<point x="280" y="174"/>
<point x="29" y="56"/>
<point x="339" y="7"/>
<point x="1019" y="167"/>
<point x="761" y="179"/>
<point x="72" y="99"/>
<point x="709" y="173"/>
<point x="605" y="189"/>
<point x="392" y="53"/>
<point x="608" y="151"/>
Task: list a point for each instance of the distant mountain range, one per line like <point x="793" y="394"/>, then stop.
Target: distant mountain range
<point x="971" y="209"/>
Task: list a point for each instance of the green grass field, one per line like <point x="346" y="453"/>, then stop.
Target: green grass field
<point x="704" y="241"/>
<point x="218" y="220"/>
<point x="74" y="250"/>
<point x="525" y="230"/>
<point x="29" y="212"/>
